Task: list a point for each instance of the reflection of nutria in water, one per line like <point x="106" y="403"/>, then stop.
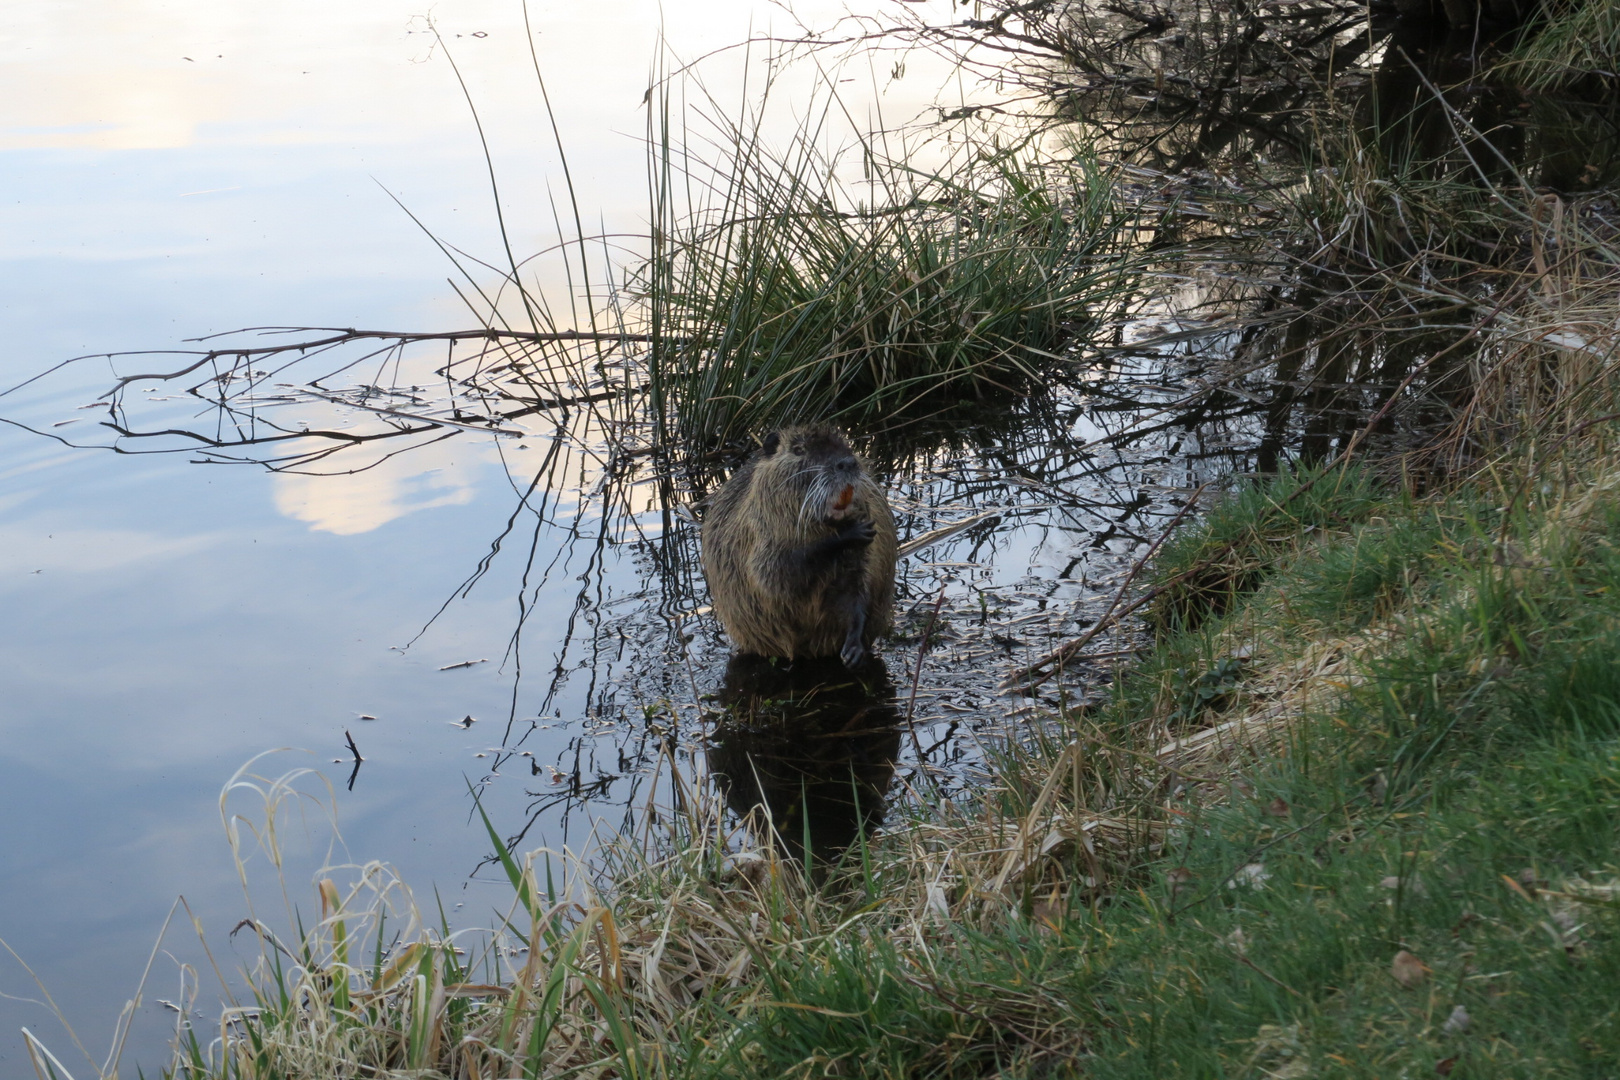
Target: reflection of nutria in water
<point x="799" y="549"/>
<point x="812" y="743"/>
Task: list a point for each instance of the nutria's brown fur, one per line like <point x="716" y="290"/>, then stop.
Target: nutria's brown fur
<point x="799" y="549"/>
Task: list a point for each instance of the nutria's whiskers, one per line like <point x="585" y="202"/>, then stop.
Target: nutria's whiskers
<point x="817" y="497"/>
<point x="807" y="503"/>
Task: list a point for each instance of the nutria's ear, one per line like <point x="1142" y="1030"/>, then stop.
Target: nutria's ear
<point x="772" y="441"/>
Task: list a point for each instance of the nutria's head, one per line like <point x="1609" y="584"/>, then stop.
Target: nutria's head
<point x="816" y="467"/>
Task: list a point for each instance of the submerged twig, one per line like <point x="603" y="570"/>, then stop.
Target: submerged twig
<point x="1032" y="675"/>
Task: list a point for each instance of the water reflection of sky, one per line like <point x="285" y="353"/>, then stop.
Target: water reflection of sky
<point x="173" y="169"/>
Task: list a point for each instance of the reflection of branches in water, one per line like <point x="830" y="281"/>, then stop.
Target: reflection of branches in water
<point x="1174" y="85"/>
<point x="343" y="402"/>
<point x="1069" y="485"/>
<point x="506" y="377"/>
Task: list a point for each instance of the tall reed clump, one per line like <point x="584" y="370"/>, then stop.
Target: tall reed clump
<point x="1578" y="43"/>
<point x="1404" y="196"/>
<point x="780" y="289"/>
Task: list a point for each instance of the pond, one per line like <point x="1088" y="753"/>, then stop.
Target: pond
<point x="177" y="170"/>
<point x="521" y="612"/>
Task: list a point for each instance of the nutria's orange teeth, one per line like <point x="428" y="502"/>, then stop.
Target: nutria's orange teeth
<point x="845" y="497"/>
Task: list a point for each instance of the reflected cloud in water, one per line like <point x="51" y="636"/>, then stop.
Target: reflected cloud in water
<point x="347" y="504"/>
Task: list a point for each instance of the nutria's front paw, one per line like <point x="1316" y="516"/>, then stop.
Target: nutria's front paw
<point x="857" y="533"/>
<point x="852" y="653"/>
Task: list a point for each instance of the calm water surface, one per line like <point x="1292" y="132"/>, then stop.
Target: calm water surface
<point x="178" y="169"/>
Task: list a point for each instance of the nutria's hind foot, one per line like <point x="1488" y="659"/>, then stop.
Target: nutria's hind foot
<point x="854" y="650"/>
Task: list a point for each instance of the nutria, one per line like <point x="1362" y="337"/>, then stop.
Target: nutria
<point x="799" y="549"/>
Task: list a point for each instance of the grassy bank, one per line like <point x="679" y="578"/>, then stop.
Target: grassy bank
<point x="1364" y="821"/>
<point x="1358" y="815"/>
